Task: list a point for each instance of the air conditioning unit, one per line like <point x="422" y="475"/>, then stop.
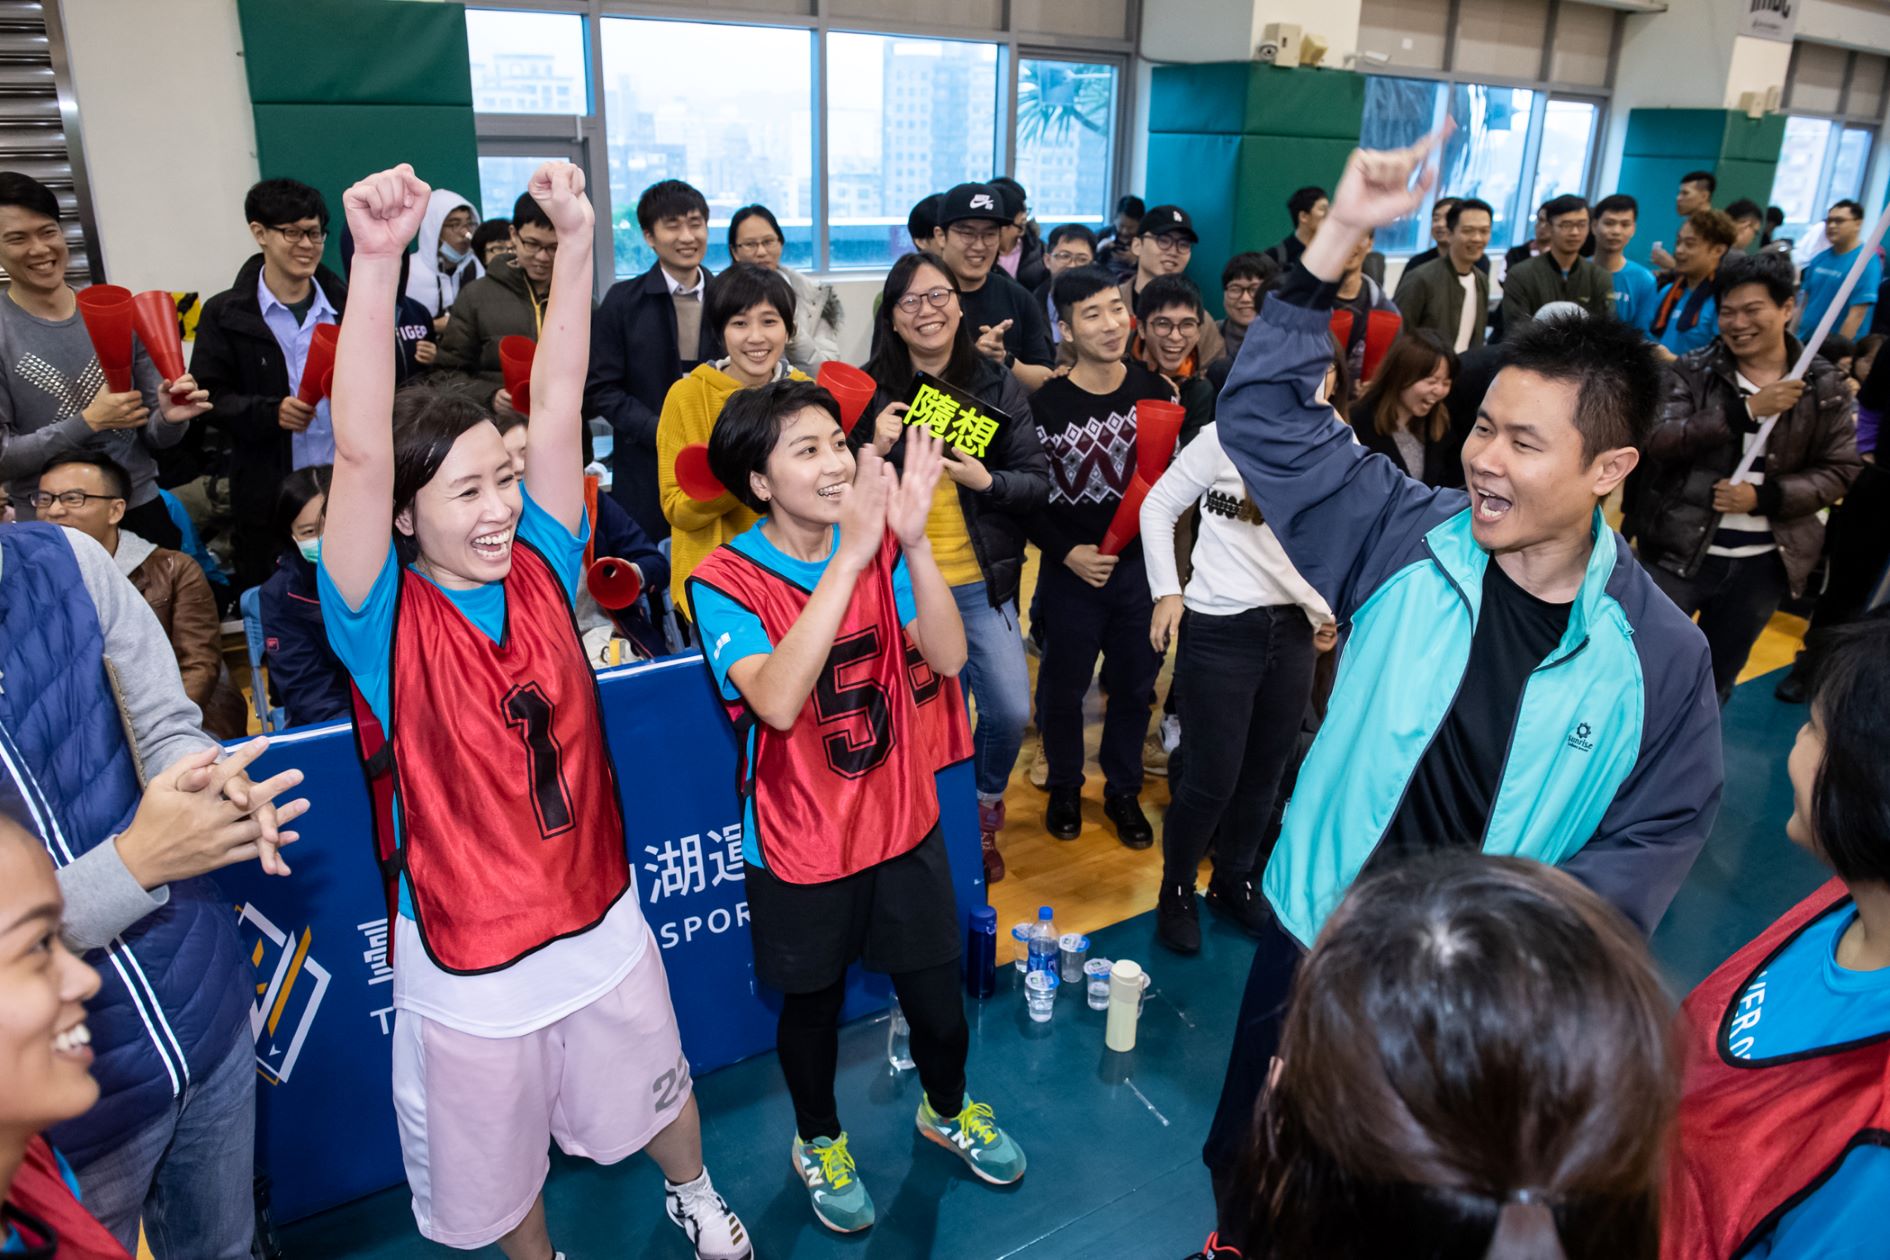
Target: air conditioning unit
<point x="1279" y="44"/>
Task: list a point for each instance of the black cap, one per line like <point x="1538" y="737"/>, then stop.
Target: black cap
<point x="1161" y="220"/>
<point x="972" y="201"/>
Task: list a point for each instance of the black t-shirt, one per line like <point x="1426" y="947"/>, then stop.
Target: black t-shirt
<point x="1000" y="298"/>
<point x="1447" y="803"/>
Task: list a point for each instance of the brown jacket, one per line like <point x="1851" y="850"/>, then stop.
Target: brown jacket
<point x="175" y="587"/>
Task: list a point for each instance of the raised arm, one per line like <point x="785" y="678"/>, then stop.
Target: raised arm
<point x="383" y="212"/>
<point x="554" y="445"/>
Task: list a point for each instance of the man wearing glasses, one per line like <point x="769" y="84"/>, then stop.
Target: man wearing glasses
<point x="252" y="343"/>
<point x="508" y="301"/>
<point x="1844" y="228"/>
<point x="1071" y="245"/>
<point x="1163" y="246"/>
<point x="1006" y="324"/>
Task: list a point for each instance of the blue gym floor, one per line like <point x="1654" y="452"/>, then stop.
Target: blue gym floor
<point x="1114" y="1140"/>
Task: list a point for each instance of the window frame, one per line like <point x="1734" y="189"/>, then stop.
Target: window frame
<point x="498" y="132"/>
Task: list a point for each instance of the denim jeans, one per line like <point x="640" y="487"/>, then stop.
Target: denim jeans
<point x="189" y="1175"/>
<point x="999" y="680"/>
<point x="1241" y="684"/>
<point x="1735" y="598"/>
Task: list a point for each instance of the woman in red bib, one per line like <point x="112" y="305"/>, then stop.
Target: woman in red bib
<point x="530" y="993"/>
<point x="1785" y="1121"/>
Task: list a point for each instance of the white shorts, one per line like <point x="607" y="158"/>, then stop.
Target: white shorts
<point x="477" y="1114"/>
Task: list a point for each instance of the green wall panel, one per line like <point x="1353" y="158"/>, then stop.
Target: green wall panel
<point x="1664" y="144"/>
<point x="371" y="52"/>
<point x="1205" y="98"/>
<point x="1251" y="98"/>
<point x="1200" y="173"/>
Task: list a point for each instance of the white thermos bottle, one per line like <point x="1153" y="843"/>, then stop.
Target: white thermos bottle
<point x="1125" y="1005"/>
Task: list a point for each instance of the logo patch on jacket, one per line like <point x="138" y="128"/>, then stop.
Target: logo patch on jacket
<point x="1581" y="739"/>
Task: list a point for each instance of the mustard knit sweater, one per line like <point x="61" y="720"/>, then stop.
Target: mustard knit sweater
<point x="696" y="529"/>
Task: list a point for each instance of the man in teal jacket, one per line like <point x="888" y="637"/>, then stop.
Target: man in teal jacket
<point x="1513" y="680"/>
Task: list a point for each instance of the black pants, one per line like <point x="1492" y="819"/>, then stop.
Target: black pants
<point x="1256" y="1040"/>
<point x="808" y="1042"/>
<point x="1734" y="598"/>
<point x="152" y="522"/>
<point x="1080" y="621"/>
<point x="1241" y="684"/>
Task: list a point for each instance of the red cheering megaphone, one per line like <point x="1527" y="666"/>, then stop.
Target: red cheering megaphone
<point x="1157" y="430"/>
<point x="107" y="312"/>
<point x="319" y="366"/>
<point x="850" y="387"/>
<point x="515" y="364"/>
<point x="1381" y="329"/>
<point x="154" y="315"/>
<point x="613" y="583"/>
<point x="694" y="475"/>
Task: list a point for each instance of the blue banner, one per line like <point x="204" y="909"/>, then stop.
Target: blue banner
<point x="318" y="940"/>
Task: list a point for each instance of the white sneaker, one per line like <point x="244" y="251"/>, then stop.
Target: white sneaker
<point x="701" y="1213"/>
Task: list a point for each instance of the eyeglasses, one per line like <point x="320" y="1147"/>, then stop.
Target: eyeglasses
<point x="1070" y="258"/>
<point x="296" y="235"/>
<point x="74" y="499"/>
<point x="759" y="245"/>
<point x="1173" y="243"/>
<point x="982" y="235"/>
<point x="1239" y="291"/>
<point x="537" y="248"/>
<point x="1162" y="327"/>
<point x="1840" y="219"/>
<point x="935" y="298"/>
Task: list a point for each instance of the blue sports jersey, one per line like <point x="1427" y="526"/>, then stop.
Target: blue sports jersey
<point x="1823" y="276"/>
<point x="1805" y="1001"/>
<point x="363" y="638"/>
<point x="731" y="633"/>
<point x="1634" y="295"/>
<point x="1678" y="336"/>
<point x="1841" y="1220"/>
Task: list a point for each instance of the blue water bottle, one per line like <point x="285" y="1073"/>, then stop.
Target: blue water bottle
<point x="981" y="953"/>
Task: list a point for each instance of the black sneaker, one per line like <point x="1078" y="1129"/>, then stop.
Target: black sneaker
<point x="1063" y="817"/>
<point x="1132" y="825"/>
<point x="1177" y="920"/>
<point x="1236" y="900"/>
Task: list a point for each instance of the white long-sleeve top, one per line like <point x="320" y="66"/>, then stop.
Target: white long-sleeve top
<point x="1238" y="562"/>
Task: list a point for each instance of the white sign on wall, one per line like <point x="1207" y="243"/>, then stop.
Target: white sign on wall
<point x="1770" y="19"/>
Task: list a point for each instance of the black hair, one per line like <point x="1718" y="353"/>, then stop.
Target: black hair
<point x="1834" y="347"/>
<point x="1302" y="201"/>
<point x="486" y="233"/>
<point x="1701" y="177"/>
<point x="28" y="194"/>
<point x="922" y="221"/>
<point x="427" y="422"/>
<point x="1015" y="198"/>
<point x="526" y="212"/>
<point x="1774" y="217"/>
<point x="1444" y="204"/>
<point x="743" y="287"/>
<point x="1131" y="205"/>
<point x="297" y="490"/>
<point x="746" y="213"/>
<point x="1617" y="378"/>
<point x="748" y="427"/>
<point x="276" y="202"/>
<point x="1251" y="265"/>
<point x="668" y="199"/>
<point x="890" y="363"/>
<point x="1618" y="203"/>
<point x="1567" y="203"/>
<point x="1468" y="203"/>
<point x="1850" y="798"/>
<point x="1166" y="291"/>
<point x="117" y="480"/>
<point x="1069" y="231"/>
<point x="1079" y="284"/>
<point x="1745" y="208"/>
<point x="1855" y="207"/>
<point x="1774" y="271"/>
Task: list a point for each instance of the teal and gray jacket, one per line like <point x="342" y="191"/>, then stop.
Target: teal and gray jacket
<point x="1614" y="769"/>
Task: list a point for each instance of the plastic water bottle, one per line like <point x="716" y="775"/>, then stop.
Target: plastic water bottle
<point x="1043" y="941"/>
<point x="899" y="1040"/>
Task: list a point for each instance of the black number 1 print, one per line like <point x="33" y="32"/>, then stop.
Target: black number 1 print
<point x="529" y="713"/>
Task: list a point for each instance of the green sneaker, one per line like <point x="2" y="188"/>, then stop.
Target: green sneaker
<point x="974" y="1137"/>
<point x="833" y="1184"/>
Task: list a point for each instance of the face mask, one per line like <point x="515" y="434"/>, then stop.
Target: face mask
<point x="311" y="549"/>
<point x="454" y="256"/>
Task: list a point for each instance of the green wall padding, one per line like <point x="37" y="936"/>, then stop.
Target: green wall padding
<point x="343" y="88"/>
<point x="1664" y="144"/>
<point x="1229" y="141"/>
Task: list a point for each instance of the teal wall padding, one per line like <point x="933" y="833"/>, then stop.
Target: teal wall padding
<point x="1664" y="144"/>
<point x="343" y="88"/>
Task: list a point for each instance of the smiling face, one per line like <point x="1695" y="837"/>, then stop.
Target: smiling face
<point x="1614" y="230"/>
<point x="928" y="329"/>
<point x="1529" y="481"/>
<point x="1242" y="300"/>
<point x="96" y="516"/>
<point x="465" y="517"/>
<point x="1751" y="323"/>
<point x="1163" y="255"/>
<point x="1469" y="238"/>
<point x="679" y="241"/>
<point x="1173" y="334"/>
<point x="32" y="249"/>
<point x="535" y="247"/>
<point x="45" y="1046"/>
<point x="1694" y="257"/>
<point x="1420" y="396"/>
<point x="755" y="339"/>
<point x="970" y="248"/>
<point x="809" y="471"/>
<point x="1440" y="224"/>
<point x="1098" y="326"/>
<point x="291" y="250"/>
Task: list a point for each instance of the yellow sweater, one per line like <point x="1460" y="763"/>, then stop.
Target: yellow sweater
<point x="696" y="529"/>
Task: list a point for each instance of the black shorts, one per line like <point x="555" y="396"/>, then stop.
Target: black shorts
<point x="898" y="916"/>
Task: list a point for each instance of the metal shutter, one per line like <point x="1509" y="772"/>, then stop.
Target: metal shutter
<point x="36" y="108"/>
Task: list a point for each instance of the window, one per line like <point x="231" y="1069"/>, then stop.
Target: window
<point x="1821" y="161"/>
<point x="1568" y="135"/>
<point x="502" y="179"/>
<point x="728" y="109"/>
<point x="527" y="63"/>
<point x="1400" y="112"/>
<point x="906" y="118"/>
<point x="1066" y="124"/>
